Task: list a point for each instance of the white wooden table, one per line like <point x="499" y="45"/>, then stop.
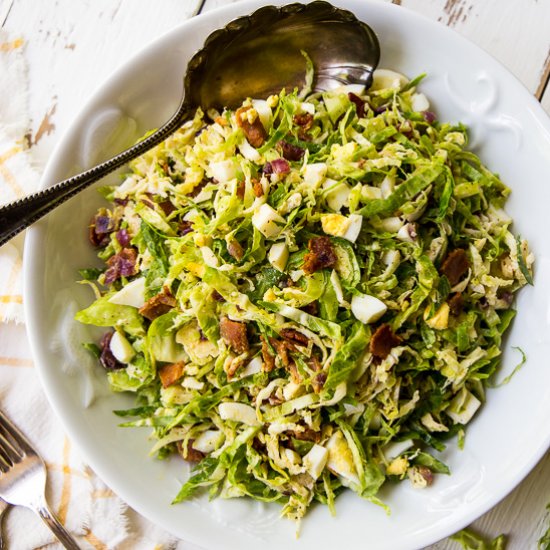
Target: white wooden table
<point x="73" y="45"/>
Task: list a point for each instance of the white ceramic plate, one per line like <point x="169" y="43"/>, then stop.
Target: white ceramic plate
<point x="512" y="135"/>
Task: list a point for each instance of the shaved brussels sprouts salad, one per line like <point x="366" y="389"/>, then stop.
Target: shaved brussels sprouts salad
<point x="307" y="293"/>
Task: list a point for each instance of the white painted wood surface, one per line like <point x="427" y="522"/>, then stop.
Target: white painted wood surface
<point x="72" y="45"/>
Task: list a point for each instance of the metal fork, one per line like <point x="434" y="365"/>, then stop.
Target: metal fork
<point x="3" y="507"/>
<point x="23" y="479"/>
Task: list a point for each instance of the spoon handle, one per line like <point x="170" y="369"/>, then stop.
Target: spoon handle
<point x="18" y="215"/>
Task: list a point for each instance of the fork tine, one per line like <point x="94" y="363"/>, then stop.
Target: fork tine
<point x="10" y="453"/>
<point x="15" y="435"/>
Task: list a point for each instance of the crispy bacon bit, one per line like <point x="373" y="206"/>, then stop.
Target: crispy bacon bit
<point x="455" y="265"/>
<point x="269" y="360"/>
<point x="294" y="374"/>
<point x="241" y="186"/>
<point x="359" y="104"/>
<point x="321" y="254"/>
<point x="257" y="188"/>
<point x="304" y="120"/>
<point x="158" y="305"/>
<point x="294" y="336"/>
<point x="189" y="453"/>
<point x="107" y="359"/>
<point x="234" y="335"/>
<point x="291" y="152"/>
<point x="122" y="264"/>
<point x="235" y="249"/>
<point x="254" y="131"/>
<point x="307" y="435"/>
<point x="281" y="348"/>
<point x="169" y="374"/>
<point x="101" y="226"/>
<point x="383" y="341"/>
<point x="455" y="303"/>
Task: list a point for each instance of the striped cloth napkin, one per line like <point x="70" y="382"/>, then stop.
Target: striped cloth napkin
<point x="94" y="514"/>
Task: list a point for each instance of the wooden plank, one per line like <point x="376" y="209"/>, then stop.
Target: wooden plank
<point x="515" y="33"/>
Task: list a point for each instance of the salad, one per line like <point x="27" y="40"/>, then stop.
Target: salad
<point x="306" y="294"/>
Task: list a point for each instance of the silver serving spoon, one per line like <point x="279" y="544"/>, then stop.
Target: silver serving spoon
<point x="253" y="56"/>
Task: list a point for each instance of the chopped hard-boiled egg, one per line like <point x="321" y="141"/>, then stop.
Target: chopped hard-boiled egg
<point x="268" y="221"/>
<point x="315" y="460"/>
<point x="208" y="441"/>
<point x="223" y="170"/>
<point x="338" y="196"/>
<point x="238" y="412"/>
<point x="440" y="320"/>
<point x="366" y="308"/>
<point x="133" y="294"/>
<point x="121" y="348"/>
<point x="347" y="227"/>
<point x="340" y="459"/>
<point x="384" y="78"/>
<point x="314" y="174"/>
<point x="278" y="256"/>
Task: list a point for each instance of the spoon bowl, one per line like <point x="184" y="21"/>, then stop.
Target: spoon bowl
<point x="253" y="56"/>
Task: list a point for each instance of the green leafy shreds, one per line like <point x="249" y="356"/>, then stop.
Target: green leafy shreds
<point x="283" y="307"/>
<point x="469" y="540"/>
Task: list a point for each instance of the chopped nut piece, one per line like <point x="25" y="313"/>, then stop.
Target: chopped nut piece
<point x="456" y="302"/>
<point x="269" y="360"/>
<point x="235" y="249"/>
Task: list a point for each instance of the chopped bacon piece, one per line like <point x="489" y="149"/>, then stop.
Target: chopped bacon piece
<point x="455" y="265"/>
<point x="383" y="341"/>
<point x="107" y="359"/>
<point x="455" y="303"/>
<point x="359" y="104"/>
<point x="281" y="348"/>
<point x="291" y="152"/>
<point x="234" y="335"/>
<point x="321" y="254"/>
<point x="241" y="186"/>
<point x="254" y="131"/>
<point x="257" y="188"/>
<point x="307" y="435"/>
<point x="235" y="249"/>
<point x="169" y="374"/>
<point x="189" y="453"/>
<point x="294" y="336"/>
<point x="304" y="120"/>
<point x="158" y="305"/>
<point x="294" y="374"/>
<point x="269" y="360"/>
<point x="122" y="264"/>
